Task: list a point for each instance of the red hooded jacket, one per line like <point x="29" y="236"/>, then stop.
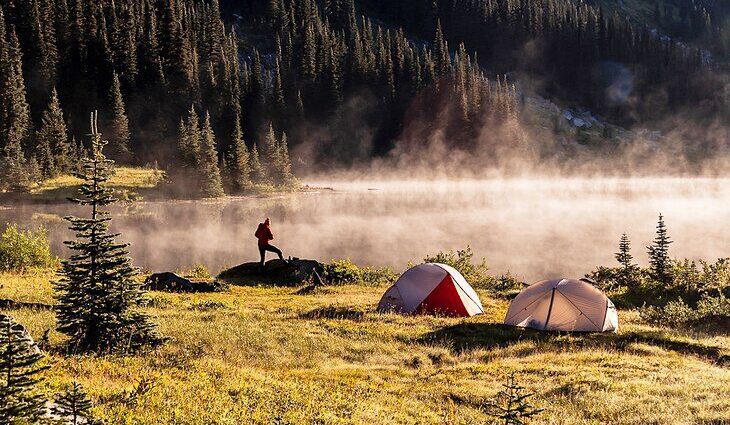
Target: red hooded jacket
<point x="263" y="233"/>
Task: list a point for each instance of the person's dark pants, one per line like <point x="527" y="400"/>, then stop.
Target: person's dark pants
<point x="270" y="248"/>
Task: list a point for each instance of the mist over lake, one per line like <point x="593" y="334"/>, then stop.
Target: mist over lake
<point x="533" y="228"/>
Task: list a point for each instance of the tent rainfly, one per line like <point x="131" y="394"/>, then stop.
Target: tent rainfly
<point x="563" y="305"/>
<point x="431" y="288"/>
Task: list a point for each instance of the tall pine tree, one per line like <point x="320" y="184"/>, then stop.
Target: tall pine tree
<point x="16" y="125"/>
<point x="258" y="175"/>
<point x="189" y="139"/>
<point x="240" y="169"/>
<point x="208" y="171"/>
<point x="625" y="259"/>
<point x="271" y="160"/>
<point x="661" y="266"/>
<point x="120" y="135"/>
<point x="54" y="135"/>
<point x="287" y="178"/>
<point x="97" y="296"/>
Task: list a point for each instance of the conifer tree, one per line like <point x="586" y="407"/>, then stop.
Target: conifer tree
<point x="120" y="135"/>
<point x="16" y="125"/>
<point x="511" y="406"/>
<point x="240" y="160"/>
<point x="44" y="158"/>
<point x="73" y="405"/>
<point x="4" y="74"/>
<point x="189" y="139"/>
<point x="278" y="90"/>
<point x="258" y="175"/>
<point x="333" y="77"/>
<point x="177" y="63"/>
<point x="257" y="89"/>
<point x="183" y="146"/>
<point x="97" y="295"/>
<point x="300" y="105"/>
<point x="53" y="136"/>
<point x="660" y="263"/>
<point x="441" y="52"/>
<point x="286" y="173"/>
<point x="208" y="170"/>
<point x="19" y="373"/>
<point x="271" y="160"/>
<point x="624" y="257"/>
<point x="33" y="171"/>
<point x="309" y="54"/>
<point x="13" y="172"/>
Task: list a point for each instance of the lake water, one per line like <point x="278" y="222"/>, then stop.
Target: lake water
<point x="535" y="228"/>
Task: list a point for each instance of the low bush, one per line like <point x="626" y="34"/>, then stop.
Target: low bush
<point x="709" y="311"/>
<point x="342" y="272"/>
<point x="462" y="260"/>
<point x="691" y="281"/>
<point x="198" y="271"/>
<point x="477" y="274"/>
<point x="23" y="249"/>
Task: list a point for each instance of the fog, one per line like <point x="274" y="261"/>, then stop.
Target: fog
<point x="535" y="228"/>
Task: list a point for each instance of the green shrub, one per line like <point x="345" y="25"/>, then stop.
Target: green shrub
<point x="24" y="249"/>
<point x="507" y="283"/>
<point x="674" y="313"/>
<point x="695" y="280"/>
<point x="462" y="260"/>
<point x="342" y="272"/>
<point x="198" y="271"/>
<point x="626" y="288"/>
<point x="691" y="281"/>
<point x="710" y="311"/>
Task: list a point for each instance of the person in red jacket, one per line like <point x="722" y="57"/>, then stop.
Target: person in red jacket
<point x="264" y="235"/>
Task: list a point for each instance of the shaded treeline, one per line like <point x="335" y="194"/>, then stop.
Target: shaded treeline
<point x="287" y="66"/>
<point x="576" y="52"/>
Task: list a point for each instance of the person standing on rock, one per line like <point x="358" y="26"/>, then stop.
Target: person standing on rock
<point x="264" y="235"/>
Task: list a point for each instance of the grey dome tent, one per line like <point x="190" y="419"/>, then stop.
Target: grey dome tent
<point x="563" y="305"/>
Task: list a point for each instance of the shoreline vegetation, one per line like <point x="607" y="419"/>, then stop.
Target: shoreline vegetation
<point x="270" y="354"/>
<point x="134" y="184"/>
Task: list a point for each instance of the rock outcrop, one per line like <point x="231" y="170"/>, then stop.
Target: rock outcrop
<point x="30" y="345"/>
<point x="170" y="282"/>
<point x="275" y="272"/>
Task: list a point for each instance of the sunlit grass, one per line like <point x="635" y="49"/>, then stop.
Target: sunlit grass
<point x="124" y="177"/>
<point x="131" y="183"/>
<point x="258" y="355"/>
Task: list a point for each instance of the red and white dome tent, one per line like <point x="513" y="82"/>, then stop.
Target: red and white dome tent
<point x="431" y="288"/>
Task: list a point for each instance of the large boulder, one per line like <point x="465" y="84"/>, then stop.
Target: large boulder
<point x="26" y="340"/>
<point x="275" y="272"/>
<point x="170" y="282"/>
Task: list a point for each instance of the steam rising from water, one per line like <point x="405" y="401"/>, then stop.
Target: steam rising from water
<point x="535" y="228"/>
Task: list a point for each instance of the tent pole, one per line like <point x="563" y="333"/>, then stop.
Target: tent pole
<point x="550" y="310"/>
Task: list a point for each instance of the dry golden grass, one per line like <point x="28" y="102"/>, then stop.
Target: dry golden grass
<point x="261" y="355"/>
<point x="129" y="182"/>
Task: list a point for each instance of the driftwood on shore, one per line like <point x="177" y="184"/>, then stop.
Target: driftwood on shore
<point x="291" y="272"/>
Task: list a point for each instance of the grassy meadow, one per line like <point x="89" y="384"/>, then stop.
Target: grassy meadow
<point x="269" y="355"/>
